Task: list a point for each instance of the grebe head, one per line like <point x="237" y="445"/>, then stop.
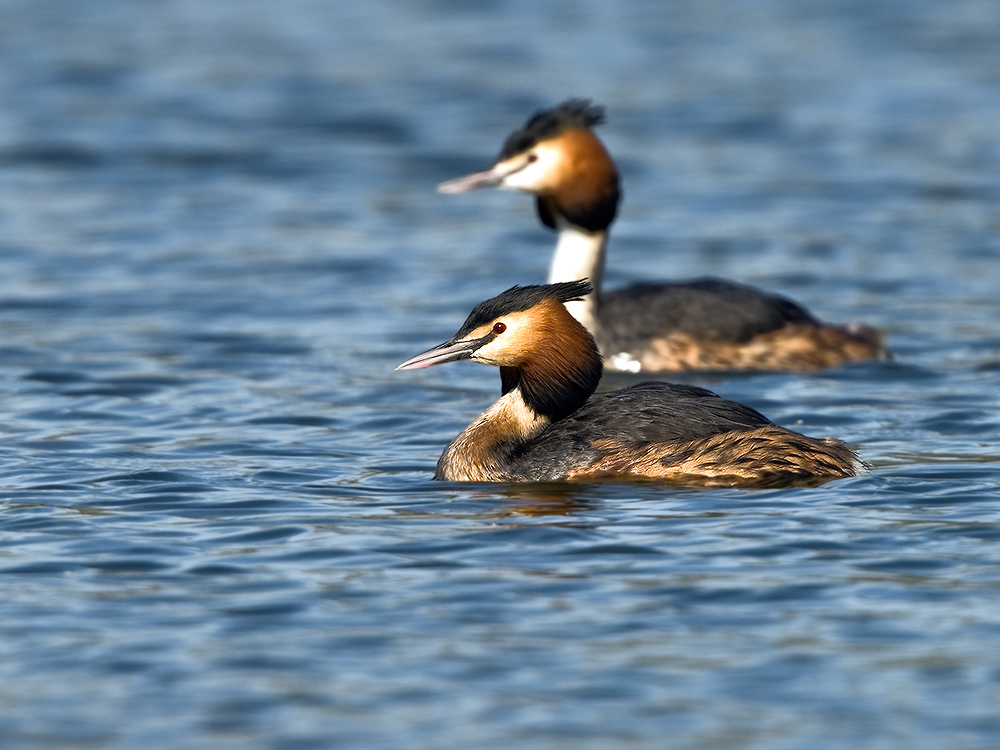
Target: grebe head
<point x="512" y="329"/>
<point x="541" y="350"/>
<point x="557" y="158"/>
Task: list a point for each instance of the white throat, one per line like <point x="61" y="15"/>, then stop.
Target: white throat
<point x="579" y="255"/>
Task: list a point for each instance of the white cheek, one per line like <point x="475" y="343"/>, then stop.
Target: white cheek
<point x="536" y="176"/>
<point x="526" y="180"/>
<point x="502" y="351"/>
<point x="486" y="357"/>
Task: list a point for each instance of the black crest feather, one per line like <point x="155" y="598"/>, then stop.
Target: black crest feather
<point x="521" y="298"/>
<point x="548" y="123"/>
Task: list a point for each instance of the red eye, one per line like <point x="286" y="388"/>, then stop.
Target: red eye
<point x="499" y="328"/>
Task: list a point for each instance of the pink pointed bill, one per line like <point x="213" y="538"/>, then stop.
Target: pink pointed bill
<point x="447" y="352"/>
<point x="489" y="178"/>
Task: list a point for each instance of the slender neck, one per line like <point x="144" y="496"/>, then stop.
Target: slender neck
<point x="580" y="255"/>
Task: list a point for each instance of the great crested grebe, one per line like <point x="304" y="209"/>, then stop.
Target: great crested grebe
<point x="549" y="425"/>
<point x="701" y="324"/>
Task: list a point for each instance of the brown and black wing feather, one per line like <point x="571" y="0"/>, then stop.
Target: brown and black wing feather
<point x="714" y="324"/>
<point x="702" y="309"/>
<point x="634" y="417"/>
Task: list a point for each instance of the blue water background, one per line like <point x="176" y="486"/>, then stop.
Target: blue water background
<point x="218" y="236"/>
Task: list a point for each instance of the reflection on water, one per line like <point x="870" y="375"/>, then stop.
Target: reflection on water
<point x="219" y="235"/>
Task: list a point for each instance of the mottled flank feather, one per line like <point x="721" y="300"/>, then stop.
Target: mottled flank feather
<point x="711" y="324"/>
<point x="676" y="431"/>
<point x="767" y="455"/>
<point x="802" y="348"/>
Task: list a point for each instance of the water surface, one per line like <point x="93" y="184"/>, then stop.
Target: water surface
<point x="219" y="235"/>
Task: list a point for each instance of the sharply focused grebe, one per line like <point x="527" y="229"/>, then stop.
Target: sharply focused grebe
<point x="702" y="324"/>
<point x="548" y="425"/>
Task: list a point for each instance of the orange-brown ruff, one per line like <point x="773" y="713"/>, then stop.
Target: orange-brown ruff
<point x="548" y="424"/>
<point x="701" y="324"/>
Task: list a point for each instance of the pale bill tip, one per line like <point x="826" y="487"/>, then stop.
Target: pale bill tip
<point x="470" y="182"/>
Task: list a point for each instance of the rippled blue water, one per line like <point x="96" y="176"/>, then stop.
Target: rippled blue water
<point x="219" y="234"/>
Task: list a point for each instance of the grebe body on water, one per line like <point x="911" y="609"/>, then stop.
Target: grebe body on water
<point x="549" y="425"/>
<point x="701" y="324"/>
